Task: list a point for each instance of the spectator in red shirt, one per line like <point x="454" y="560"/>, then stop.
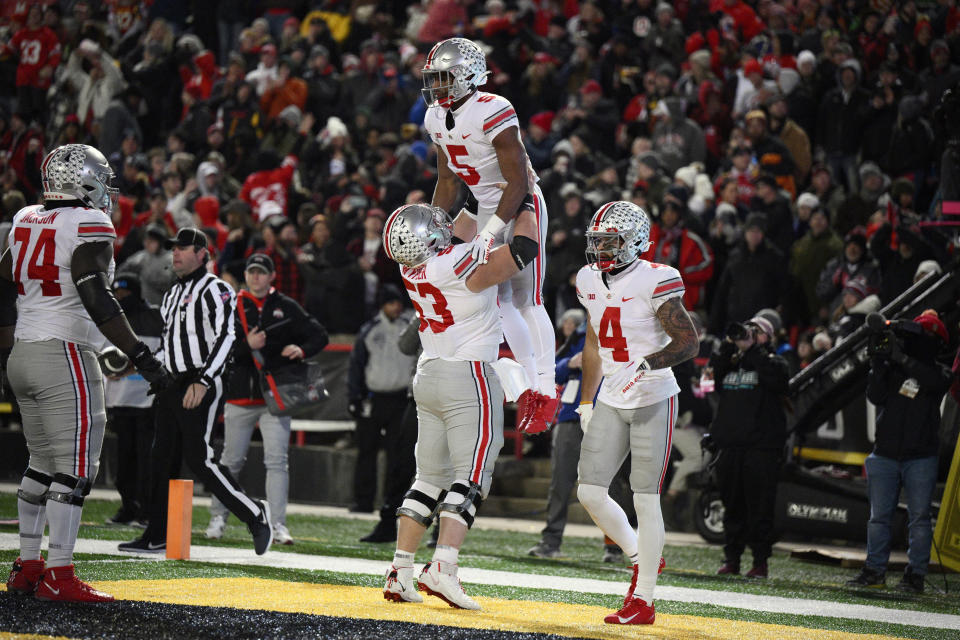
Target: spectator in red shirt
<point x="38" y="53"/>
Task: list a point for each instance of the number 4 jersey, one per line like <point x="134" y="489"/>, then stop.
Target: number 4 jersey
<point x="455" y="323"/>
<point x="42" y="244"/>
<point x="623" y="313"/>
<point x="468" y="147"/>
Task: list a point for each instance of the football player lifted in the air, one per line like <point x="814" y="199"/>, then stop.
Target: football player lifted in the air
<point x="478" y="140"/>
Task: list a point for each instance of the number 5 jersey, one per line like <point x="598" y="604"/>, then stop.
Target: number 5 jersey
<point x="623" y="313"/>
<point x="469" y="145"/>
<point x="42" y="245"/>
<point x="455" y="323"/>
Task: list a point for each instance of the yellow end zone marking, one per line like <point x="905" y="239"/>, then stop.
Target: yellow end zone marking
<point x="506" y="615"/>
<point x="6" y="635"/>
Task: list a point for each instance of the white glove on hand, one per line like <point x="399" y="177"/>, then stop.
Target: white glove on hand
<point x="483" y="243"/>
<point x="640" y="371"/>
<point x="586" y="413"/>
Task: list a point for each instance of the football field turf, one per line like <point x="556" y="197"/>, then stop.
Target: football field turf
<point x="328" y="585"/>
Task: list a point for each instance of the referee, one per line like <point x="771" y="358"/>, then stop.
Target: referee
<point x="197" y="337"/>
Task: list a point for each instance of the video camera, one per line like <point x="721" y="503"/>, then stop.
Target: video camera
<point x="883" y="333"/>
<point x="740" y="331"/>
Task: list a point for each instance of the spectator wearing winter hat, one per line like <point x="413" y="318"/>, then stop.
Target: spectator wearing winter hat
<point x="751" y="280"/>
<point x="806" y="203"/>
<point x="677" y="139"/>
<point x="942" y="73"/>
<point x="323" y="83"/>
<point x="266" y="72"/>
<point x="771" y="201"/>
<point x="752" y="88"/>
<point x="830" y="194"/>
<point x="808" y="257"/>
<point x="539" y="139"/>
<point x="860" y="205"/>
<point x="595" y="115"/>
<point x="855" y="304"/>
<point x="912" y="142"/>
<point x="773" y="156"/>
<point x="855" y="261"/>
<point x="681" y="248"/>
<point x="803" y="101"/>
<point x="666" y="39"/>
<point x="843" y="112"/>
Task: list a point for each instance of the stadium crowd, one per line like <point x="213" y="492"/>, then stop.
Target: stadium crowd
<point x="788" y="152"/>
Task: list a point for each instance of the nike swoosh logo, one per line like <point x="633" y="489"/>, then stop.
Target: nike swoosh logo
<point x="150" y="545"/>
<point x="627" y="620"/>
<point x="467" y="135"/>
<point x="629" y="299"/>
<point x="55" y="592"/>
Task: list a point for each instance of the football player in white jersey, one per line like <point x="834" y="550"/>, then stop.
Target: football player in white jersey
<point x="56" y="307"/>
<point x="637" y="329"/>
<point x="478" y="140"/>
<point x="459" y="396"/>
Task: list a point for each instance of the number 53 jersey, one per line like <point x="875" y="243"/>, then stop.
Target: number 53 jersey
<point x="455" y="323"/>
<point x="623" y="313"/>
<point x="42" y="245"/>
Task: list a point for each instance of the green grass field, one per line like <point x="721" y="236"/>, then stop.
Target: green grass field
<point x="687" y="566"/>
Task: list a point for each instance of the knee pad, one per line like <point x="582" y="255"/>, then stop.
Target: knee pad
<point x="39" y="496"/>
<point x="420" y="502"/>
<point x="462" y="501"/>
<point x="79" y="489"/>
<point x="591" y="495"/>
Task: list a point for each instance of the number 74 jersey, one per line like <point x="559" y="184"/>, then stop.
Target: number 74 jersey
<point x="42" y="245"/>
<point x="455" y="323"/>
<point x="623" y="313"/>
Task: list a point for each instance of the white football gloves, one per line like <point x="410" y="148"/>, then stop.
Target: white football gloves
<point x="483" y="243"/>
<point x="586" y="413"/>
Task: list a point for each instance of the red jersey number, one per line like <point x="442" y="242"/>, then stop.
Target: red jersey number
<point x="41" y="265"/>
<point x="425" y="290"/>
<point x="469" y="174"/>
<point x="611" y="335"/>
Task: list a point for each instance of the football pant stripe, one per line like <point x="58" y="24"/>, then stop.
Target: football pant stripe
<point x="666" y="453"/>
<point x="484" y="435"/>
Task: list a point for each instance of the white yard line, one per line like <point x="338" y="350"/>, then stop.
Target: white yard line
<point x="753" y="602"/>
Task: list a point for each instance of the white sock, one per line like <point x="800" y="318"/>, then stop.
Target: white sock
<point x="402" y="559"/>
<point x="650" y="541"/>
<point x="544" y="342"/>
<point x="446" y="553"/>
<point x="609" y="516"/>
<point x="517" y="333"/>
<point x="64" y="522"/>
<point x="32" y="519"/>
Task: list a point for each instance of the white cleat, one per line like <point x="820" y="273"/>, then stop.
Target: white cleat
<point x="401" y="588"/>
<point x="440" y="579"/>
<point x="216" y="527"/>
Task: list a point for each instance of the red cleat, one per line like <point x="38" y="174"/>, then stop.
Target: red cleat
<point x="60" y="583"/>
<point x="526" y="408"/>
<point x="548" y="407"/>
<point x="25" y="576"/>
<point x="634" y="612"/>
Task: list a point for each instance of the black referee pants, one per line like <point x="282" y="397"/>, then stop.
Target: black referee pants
<point x="189" y="430"/>
<point x="748" y="488"/>
<point x="384" y="428"/>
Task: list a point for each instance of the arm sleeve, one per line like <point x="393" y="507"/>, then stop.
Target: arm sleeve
<point x="219" y="303"/>
<point x="312" y="335"/>
<point x="499" y="116"/>
<point x="668" y="285"/>
<point x="877" y="382"/>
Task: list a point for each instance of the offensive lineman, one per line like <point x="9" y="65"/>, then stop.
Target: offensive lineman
<point x="479" y="135"/>
<point x="459" y="396"/>
<point x="56" y="301"/>
<point x="637" y="329"/>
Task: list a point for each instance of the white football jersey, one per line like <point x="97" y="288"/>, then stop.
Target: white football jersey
<point x="455" y="323"/>
<point x="42" y="244"/>
<point x="623" y="313"/>
<point x="468" y="147"/>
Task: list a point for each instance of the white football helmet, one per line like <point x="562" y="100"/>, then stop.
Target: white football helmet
<point x="416" y="232"/>
<point x="79" y="172"/>
<point x="618" y="233"/>
<point x="454" y="68"/>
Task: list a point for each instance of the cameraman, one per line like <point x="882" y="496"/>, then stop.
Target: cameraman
<point x="907" y="385"/>
<point x="749" y="429"/>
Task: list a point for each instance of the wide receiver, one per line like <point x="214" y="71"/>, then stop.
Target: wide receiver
<point x="637" y="329"/>
<point x="478" y="141"/>
<point x="56" y="300"/>
<point x="458" y="394"/>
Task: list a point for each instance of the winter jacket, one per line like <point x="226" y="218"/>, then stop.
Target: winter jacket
<point x="376" y="364"/>
<point x="566" y="375"/>
<point x="751" y="281"/>
<point x="687" y="253"/>
<point x="285" y="322"/>
<point x="808" y="257"/>
<point x="750" y="388"/>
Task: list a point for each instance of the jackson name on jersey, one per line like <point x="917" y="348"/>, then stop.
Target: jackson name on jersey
<point x="469" y="145"/>
<point x="42" y="245"/>
<point x="455" y="323"/>
<point x="623" y="313"/>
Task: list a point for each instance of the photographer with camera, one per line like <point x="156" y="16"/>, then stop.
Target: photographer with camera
<point x="749" y="429"/>
<point x="907" y="385"/>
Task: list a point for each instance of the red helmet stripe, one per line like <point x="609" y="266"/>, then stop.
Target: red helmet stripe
<point x="386" y="232"/>
<point x="431" y="54"/>
<point x="599" y="216"/>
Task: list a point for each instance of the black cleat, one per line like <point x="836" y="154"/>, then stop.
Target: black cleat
<point x="261" y="530"/>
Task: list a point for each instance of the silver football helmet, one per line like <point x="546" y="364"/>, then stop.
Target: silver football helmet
<point x="454" y="68"/>
<point x="79" y="172"/>
<point x="416" y="232"/>
<point x="618" y="233"/>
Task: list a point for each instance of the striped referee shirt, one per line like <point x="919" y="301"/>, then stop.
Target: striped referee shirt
<point x="198" y="325"/>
